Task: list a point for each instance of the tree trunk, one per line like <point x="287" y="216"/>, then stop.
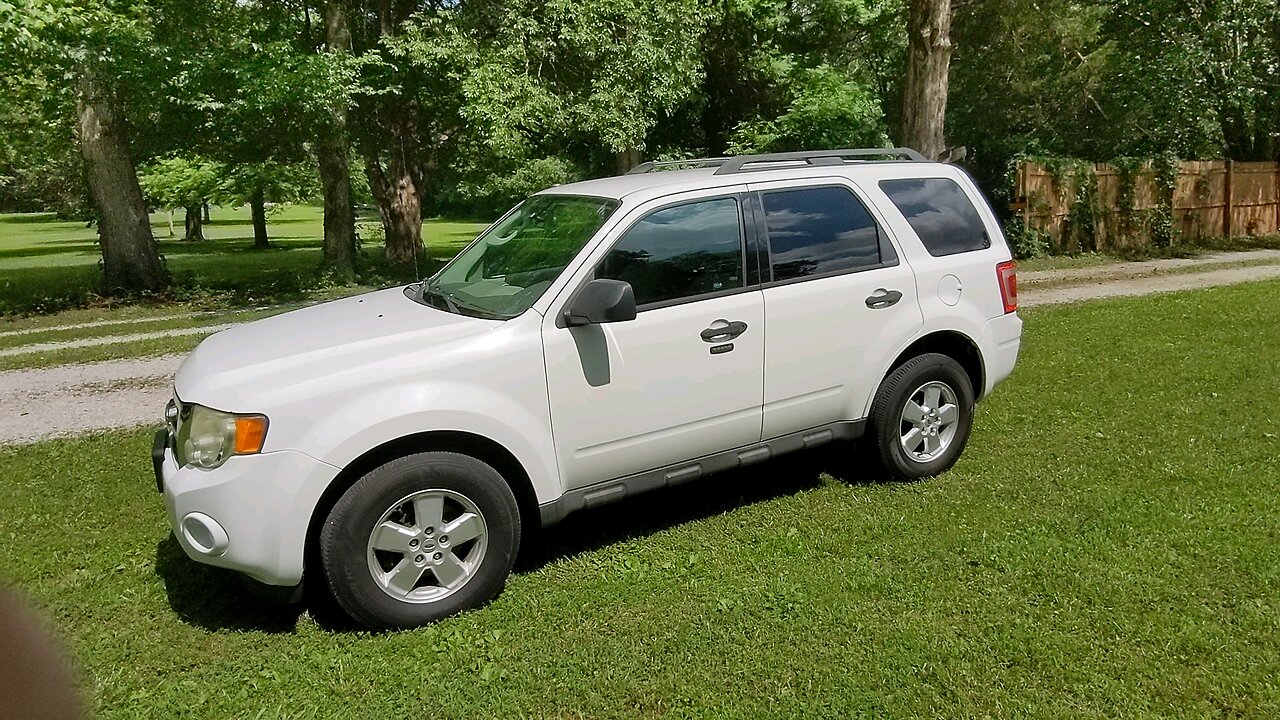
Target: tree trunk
<point x="378" y="187"/>
<point x="627" y="159"/>
<point x="194" y="224"/>
<point x="335" y="165"/>
<point x="924" y="97"/>
<point x="130" y="258"/>
<point x="258" y="208"/>
<point x="404" y="216"/>
<point x="204" y="206"/>
<point x="401" y="204"/>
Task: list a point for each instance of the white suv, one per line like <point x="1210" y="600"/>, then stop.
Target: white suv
<point x="601" y="339"/>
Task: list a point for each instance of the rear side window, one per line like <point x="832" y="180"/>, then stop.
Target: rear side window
<point x="819" y="231"/>
<point x="940" y="213"/>
<point x="679" y="252"/>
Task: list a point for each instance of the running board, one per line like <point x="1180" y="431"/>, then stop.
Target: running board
<point x="614" y="490"/>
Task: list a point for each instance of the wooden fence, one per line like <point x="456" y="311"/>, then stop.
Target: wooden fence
<point x="1141" y="206"/>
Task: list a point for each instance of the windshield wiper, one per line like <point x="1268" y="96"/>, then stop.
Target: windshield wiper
<point x="428" y="288"/>
<point x="457" y="305"/>
<point x="476" y="310"/>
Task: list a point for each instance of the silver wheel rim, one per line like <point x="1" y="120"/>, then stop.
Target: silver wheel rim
<point x="929" y="421"/>
<point x="427" y="545"/>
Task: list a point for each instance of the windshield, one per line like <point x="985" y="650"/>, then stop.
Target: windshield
<point x="507" y="268"/>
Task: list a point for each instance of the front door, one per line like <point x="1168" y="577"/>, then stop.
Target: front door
<point x="686" y="377"/>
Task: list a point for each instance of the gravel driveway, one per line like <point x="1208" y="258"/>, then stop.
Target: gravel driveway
<point x="70" y="399"/>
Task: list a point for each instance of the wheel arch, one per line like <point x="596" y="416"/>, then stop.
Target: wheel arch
<point x="957" y="346"/>
<point x="465" y="443"/>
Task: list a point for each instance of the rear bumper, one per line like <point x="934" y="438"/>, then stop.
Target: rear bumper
<point x="250" y="515"/>
<point x="1000" y="342"/>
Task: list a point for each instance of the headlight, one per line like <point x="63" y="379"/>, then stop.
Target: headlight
<point x="206" y="437"/>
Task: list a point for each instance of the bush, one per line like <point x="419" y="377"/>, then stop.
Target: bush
<point x="1026" y="242"/>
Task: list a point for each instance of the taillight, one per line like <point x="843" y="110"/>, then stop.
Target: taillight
<point x="1007" y="276"/>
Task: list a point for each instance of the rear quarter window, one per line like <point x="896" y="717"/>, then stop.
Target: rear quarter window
<point x="941" y="214"/>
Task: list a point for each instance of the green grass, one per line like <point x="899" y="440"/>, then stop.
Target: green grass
<point x="1064" y="262"/>
<point x="1107" y="547"/>
<point x="48" y="265"/>
<point x="159" y="324"/>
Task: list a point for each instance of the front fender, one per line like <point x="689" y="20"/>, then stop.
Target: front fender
<point x="348" y="431"/>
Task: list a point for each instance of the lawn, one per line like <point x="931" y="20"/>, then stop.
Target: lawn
<point x="48" y="265"/>
<point x="1107" y="547"/>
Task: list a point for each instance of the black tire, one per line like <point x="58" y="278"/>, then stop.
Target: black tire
<point x="348" y="560"/>
<point x="887" y="426"/>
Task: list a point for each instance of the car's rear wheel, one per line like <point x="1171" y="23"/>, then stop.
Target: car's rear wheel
<point x="419" y="539"/>
<point x="922" y="417"/>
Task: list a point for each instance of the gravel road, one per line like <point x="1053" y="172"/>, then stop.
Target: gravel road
<point x="1033" y="296"/>
<point x="66" y="400"/>
<point x="111" y="339"/>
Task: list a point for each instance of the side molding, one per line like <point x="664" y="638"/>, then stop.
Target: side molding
<point x="614" y="490"/>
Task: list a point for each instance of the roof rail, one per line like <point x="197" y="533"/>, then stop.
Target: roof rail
<point x="740" y="163"/>
<point x="818" y="157"/>
<point x="654" y="165"/>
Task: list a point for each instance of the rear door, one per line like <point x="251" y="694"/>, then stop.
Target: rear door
<point x="838" y="297"/>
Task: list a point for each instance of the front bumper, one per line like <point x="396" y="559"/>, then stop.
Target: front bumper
<point x="250" y="515"/>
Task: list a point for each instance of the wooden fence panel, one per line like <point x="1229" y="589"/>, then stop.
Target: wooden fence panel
<point x="1210" y="198"/>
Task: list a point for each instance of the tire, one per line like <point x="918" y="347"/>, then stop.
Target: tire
<point x="385" y="547"/>
<point x="912" y="450"/>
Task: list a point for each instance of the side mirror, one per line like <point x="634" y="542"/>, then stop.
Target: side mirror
<point x="602" y="301"/>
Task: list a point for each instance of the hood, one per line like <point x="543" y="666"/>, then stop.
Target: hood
<point x="231" y="367"/>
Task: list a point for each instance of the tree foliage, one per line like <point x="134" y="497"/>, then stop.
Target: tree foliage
<point x="467" y="106"/>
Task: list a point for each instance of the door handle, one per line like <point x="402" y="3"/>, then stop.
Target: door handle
<point x="883" y="298"/>
<point x="723" y="331"/>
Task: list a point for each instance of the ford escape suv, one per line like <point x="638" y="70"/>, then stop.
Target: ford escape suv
<point x="601" y="339"/>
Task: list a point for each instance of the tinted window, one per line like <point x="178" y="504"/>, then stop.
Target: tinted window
<point x="815" y="231"/>
<point x="940" y="213"/>
<point x="680" y="251"/>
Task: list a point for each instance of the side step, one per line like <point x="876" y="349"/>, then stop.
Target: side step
<point x="614" y="490"/>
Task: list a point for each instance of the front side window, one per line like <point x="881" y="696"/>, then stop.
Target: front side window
<point x="680" y="252"/>
<point x="819" y="231"/>
<point x="940" y="213"/>
<point x="508" y="267"/>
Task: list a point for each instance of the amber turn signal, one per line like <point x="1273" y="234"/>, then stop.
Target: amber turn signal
<point x="251" y="433"/>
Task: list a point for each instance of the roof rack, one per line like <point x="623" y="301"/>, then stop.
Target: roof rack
<point x="653" y="165"/>
<point x="751" y="163"/>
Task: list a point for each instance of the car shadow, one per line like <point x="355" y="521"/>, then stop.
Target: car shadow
<point x="653" y="512"/>
<point x="217" y="599"/>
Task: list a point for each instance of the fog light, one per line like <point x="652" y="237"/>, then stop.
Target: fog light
<point x="204" y="534"/>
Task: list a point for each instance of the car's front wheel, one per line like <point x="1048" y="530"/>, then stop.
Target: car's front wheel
<point x="922" y="417"/>
<point x="420" y="538"/>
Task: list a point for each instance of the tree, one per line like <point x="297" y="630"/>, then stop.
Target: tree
<point x="827" y="110"/>
<point x="256" y="184"/>
<point x="92" y="58"/>
<point x="40" y="164"/>
<point x="1200" y="78"/>
<point x="183" y="182"/>
<point x="393" y="128"/>
<point x="924" y="94"/>
<point x="333" y="152"/>
<point x="584" y="79"/>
